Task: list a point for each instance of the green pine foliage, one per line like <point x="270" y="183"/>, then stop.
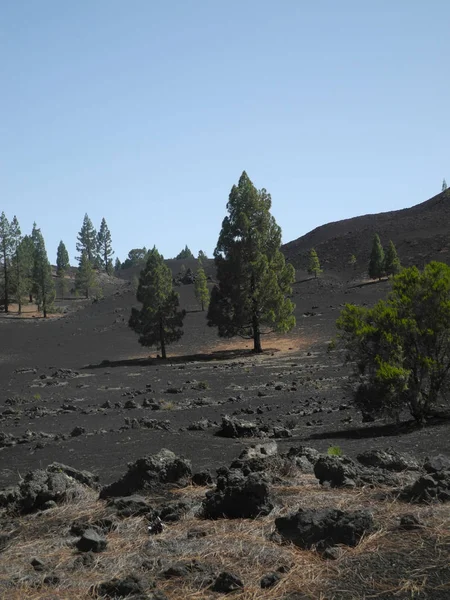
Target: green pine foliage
<point x="117" y="266"/>
<point x="401" y="346"/>
<point x="85" y="279"/>
<point x="26" y="257"/>
<point x="87" y="241"/>
<point x="6" y="250"/>
<point x="352" y="261"/>
<point x="184" y="254"/>
<point x="201" y="287"/>
<point x="19" y="265"/>
<point x="314" y="264"/>
<point x="376" y="263"/>
<point x="444" y="185"/>
<point x="136" y="258"/>
<point x="43" y="286"/>
<point x="392" y="264"/>
<point x="160" y="321"/>
<point x="62" y="267"/>
<point x="202" y="258"/>
<point x="252" y="296"/>
<point x="104" y="247"/>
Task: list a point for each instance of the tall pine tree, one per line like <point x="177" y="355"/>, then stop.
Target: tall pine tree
<point x="17" y="264"/>
<point x="201" y="287"/>
<point x="104" y="247"/>
<point x="87" y="240"/>
<point x="85" y="279"/>
<point x="6" y="249"/>
<point x="62" y="266"/>
<point x="160" y="321"/>
<point x="376" y="262"/>
<point x="252" y="297"/>
<point x="314" y="264"/>
<point x="43" y="286"/>
<point x="392" y="264"/>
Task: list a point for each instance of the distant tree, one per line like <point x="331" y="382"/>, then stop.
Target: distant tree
<point x="314" y="264"/>
<point x="6" y="250"/>
<point x="376" y="263"/>
<point x="19" y="276"/>
<point x="136" y="258"/>
<point x="26" y="251"/>
<point x="104" y="247"/>
<point x="117" y="266"/>
<point x="202" y="258"/>
<point x="43" y="286"/>
<point x="160" y="321"/>
<point x="400" y="348"/>
<point x="184" y="254"/>
<point x="85" y="279"/>
<point x="444" y="185"/>
<point x="87" y="241"/>
<point x="352" y="261"/>
<point x="201" y="287"/>
<point x="252" y="297"/>
<point x="392" y="264"/>
<point x="62" y="266"/>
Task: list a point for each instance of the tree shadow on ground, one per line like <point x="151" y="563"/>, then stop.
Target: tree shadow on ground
<point x="376" y="431"/>
<point x="217" y="355"/>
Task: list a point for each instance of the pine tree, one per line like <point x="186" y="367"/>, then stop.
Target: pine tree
<point x="85" y="276"/>
<point x="201" y="287"/>
<point x="252" y="297"/>
<point x="26" y="252"/>
<point x="18" y="275"/>
<point x="87" y="240"/>
<point x="184" y="254"/>
<point x="444" y="185"/>
<point x="202" y="258"/>
<point x="117" y="266"/>
<point x="43" y="286"/>
<point x="352" y="261"/>
<point x="62" y="266"/>
<point x="376" y="263"/>
<point x="392" y="264"/>
<point x="104" y="246"/>
<point x="159" y="322"/>
<point x="314" y="264"/>
<point x="6" y="248"/>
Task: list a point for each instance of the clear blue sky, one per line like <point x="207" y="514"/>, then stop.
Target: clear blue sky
<point x="146" y="112"/>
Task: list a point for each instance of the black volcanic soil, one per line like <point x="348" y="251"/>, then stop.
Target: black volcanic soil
<point x="58" y="374"/>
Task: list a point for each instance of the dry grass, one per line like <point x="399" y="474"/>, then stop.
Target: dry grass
<point x="243" y="546"/>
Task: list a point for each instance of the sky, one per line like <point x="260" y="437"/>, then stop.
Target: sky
<point x="146" y="113"/>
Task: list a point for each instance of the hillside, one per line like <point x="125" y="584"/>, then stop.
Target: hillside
<point x="420" y="234"/>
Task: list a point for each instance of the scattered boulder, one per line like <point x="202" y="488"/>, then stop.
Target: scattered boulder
<point x="237" y="496"/>
<point x="410" y="522"/>
<point x="202" y="478"/>
<point x="326" y="527"/>
<point x="336" y="471"/>
<point x="226" y="583"/>
<point x="436" y="464"/>
<point x="270" y="580"/>
<point x="121" y="588"/>
<point x="77" y="431"/>
<point x="281" y="432"/>
<point x="92" y="541"/>
<point x="84" y="477"/>
<point x="428" y="488"/>
<point x="235" y="428"/>
<point x="130" y="506"/>
<point x="150" y="472"/>
<point x="304" y="458"/>
<point x="388" y="459"/>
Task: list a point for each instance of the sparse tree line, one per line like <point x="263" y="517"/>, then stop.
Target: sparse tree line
<point x="254" y="284"/>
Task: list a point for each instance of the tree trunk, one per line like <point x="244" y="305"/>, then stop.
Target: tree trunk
<point x="31" y="298"/>
<point x="20" y="305"/>
<point x="5" y="269"/>
<point x="162" y="340"/>
<point x="256" y="336"/>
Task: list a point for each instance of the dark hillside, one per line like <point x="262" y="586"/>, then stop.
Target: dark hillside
<point x="420" y="234"/>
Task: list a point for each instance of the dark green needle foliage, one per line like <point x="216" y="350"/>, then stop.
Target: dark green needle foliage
<point x="252" y="296"/>
<point x="43" y="286"/>
<point x="62" y="267"/>
<point x="184" y="254"/>
<point x="104" y="248"/>
<point x="160" y="321"/>
<point x="392" y="264"/>
<point x="85" y="278"/>
<point x="6" y="250"/>
<point x="314" y="264"/>
<point x="401" y="346"/>
<point x="376" y="263"/>
<point x="201" y="287"/>
<point x="87" y="241"/>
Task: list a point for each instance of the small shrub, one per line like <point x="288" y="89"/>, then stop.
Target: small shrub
<point x="202" y="385"/>
<point x="334" y="451"/>
<point x="37" y="397"/>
